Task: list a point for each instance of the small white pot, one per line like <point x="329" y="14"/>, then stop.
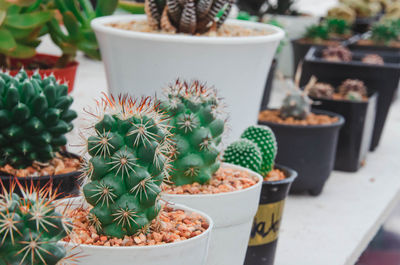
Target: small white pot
<point x="141" y="63"/>
<point x="232" y="213"/>
<point x="193" y="251"/>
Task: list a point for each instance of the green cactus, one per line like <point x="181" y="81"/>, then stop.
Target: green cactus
<point x="129" y="149"/>
<point x="30" y="227"/>
<point x="386" y="32"/>
<point x="296" y="104"/>
<point x="197" y="130"/>
<point x="245" y="153"/>
<point x="34" y="118"/>
<point x="265" y="139"/>
<point x="317" y="32"/>
<point x="190" y="16"/>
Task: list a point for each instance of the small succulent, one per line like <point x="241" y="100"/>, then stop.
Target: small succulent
<point x="30" y="227"/>
<point x="321" y="90"/>
<point x="353" y="96"/>
<point x="245" y="153"/>
<point x="187" y="16"/>
<point x="337" y="27"/>
<point x="129" y="148"/>
<point x="373" y="59"/>
<point x="197" y="127"/>
<point x="296" y="104"/>
<point x="35" y="115"/>
<point x="337" y="53"/>
<point x="342" y="12"/>
<point x="317" y="32"/>
<point x="265" y="139"/>
<point x="385" y="32"/>
<point x="350" y="87"/>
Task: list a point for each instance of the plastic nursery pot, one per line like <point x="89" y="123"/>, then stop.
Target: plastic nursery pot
<point x="381" y="78"/>
<point x="142" y="63"/>
<point x="232" y="213"/>
<point x="192" y="251"/>
<point x="66" y="184"/>
<point x="65" y="75"/>
<point x="308" y="149"/>
<point x="266" y="224"/>
<point x="268" y="85"/>
<point x="356" y="134"/>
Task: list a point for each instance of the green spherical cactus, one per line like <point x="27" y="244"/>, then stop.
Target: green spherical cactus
<point x="244" y="153"/>
<point x="265" y="139"/>
<point x="129" y="148"/>
<point x="197" y="131"/>
<point x="35" y="115"/>
<point x="30" y="227"/>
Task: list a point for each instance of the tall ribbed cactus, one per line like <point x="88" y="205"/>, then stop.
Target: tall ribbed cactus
<point x="197" y="129"/>
<point x="129" y="147"/>
<point x="34" y="118"/>
<point x="30" y="227"/>
<point x="187" y="16"/>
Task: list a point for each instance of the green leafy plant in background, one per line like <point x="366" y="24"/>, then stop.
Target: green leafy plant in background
<point x="328" y="29"/>
<point x="21" y="24"/>
<point x="386" y="31"/>
<point x="76" y="16"/>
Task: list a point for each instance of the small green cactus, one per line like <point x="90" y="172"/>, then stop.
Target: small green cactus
<point x="129" y="148"/>
<point x="265" y="139"/>
<point x="296" y="105"/>
<point x="386" y="32"/>
<point x="245" y="153"/>
<point x="34" y="118"/>
<point x="190" y="16"/>
<point x="30" y="227"/>
<point x="197" y="130"/>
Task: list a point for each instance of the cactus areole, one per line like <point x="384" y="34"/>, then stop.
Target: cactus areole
<point x="187" y="16"/>
<point x="129" y="148"/>
<point x="35" y="115"/>
<point x="197" y="129"/>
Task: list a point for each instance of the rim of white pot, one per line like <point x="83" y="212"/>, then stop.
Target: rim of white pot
<point x="227" y="165"/>
<point x="99" y="25"/>
<point x="173" y="244"/>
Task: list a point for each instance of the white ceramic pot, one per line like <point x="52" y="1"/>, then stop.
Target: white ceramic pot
<point x="232" y="213"/>
<point x="143" y="63"/>
<point x="193" y="251"/>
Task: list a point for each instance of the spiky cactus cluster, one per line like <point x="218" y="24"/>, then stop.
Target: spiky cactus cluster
<point x="129" y="148"/>
<point x="337" y="53"/>
<point x="322" y="90"/>
<point x="245" y="153"/>
<point x="30" y="227"/>
<point x="197" y="130"/>
<point x="350" y="87"/>
<point x="187" y="16"/>
<point x="296" y="104"/>
<point x="34" y="118"/>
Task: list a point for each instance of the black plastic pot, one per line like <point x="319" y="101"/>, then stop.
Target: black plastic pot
<point x="265" y="230"/>
<point x="268" y="85"/>
<point x="356" y="134"/>
<point x="381" y="78"/>
<point x="310" y="150"/>
<point x="66" y="184"/>
<point x="374" y="48"/>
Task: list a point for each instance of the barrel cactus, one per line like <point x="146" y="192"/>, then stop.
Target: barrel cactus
<point x="337" y="53"/>
<point x="30" y="227"/>
<point x="352" y="87"/>
<point x="35" y="115"/>
<point x="129" y="148"/>
<point x="322" y="90"/>
<point x="265" y="139"/>
<point x="187" y="16"/>
<point x="197" y="130"/>
<point x="244" y="153"/>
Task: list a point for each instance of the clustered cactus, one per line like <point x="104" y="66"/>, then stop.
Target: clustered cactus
<point x="30" y="227"/>
<point x="35" y="115"/>
<point x="197" y="127"/>
<point x="187" y="16"/>
<point x="129" y="148"/>
<point x="337" y="53"/>
<point x="256" y="150"/>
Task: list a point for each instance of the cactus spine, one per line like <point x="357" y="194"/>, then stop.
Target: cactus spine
<point x="244" y="153"/>
<point x="129" y="148"/>
<point x="197" y="130"/>
<point x="34" y="118"/>
<point x="30" y="227"/>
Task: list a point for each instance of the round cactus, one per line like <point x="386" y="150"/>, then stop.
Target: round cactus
<point x="129" y="148"/>
<point x="30" y="227"/>
<point x="197" y="130"/>
<point x="337" y="53"/>
<point x="321" y="90"/>
<point x="296" y="104"/>
<point x="34" y="118"/>
<point x="354" y="86"/>
<point x="244" y="153"/>
<point x="265" y="139"/>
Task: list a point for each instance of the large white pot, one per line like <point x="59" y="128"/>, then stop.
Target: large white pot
<point x="143" y="63"/>
<point x="193" y="251"/>
<point x="232" y="213"/>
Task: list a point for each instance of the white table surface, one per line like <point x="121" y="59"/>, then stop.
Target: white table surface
<point x="332" y="229"/>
